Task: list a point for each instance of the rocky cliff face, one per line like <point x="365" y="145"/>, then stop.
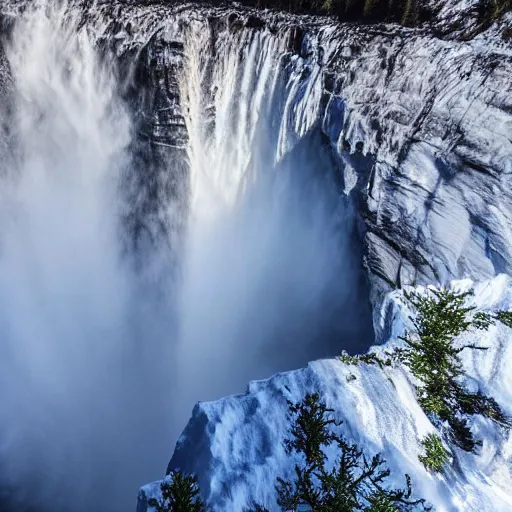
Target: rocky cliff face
<point x="419" y="125"/>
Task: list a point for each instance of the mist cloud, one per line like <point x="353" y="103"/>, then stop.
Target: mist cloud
<point x="100" y="364"/>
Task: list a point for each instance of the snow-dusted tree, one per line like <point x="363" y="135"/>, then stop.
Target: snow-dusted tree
<point x="433" y="355"/>
<point x="180" y="493"/>
<point x="353" y="483"/>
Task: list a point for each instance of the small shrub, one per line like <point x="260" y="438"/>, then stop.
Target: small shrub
<point x="436" y="455"/>
<point x="348" y="359"/>
<point x="368" y="358"/>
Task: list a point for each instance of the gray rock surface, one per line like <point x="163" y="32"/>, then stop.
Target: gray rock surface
<point x="421" y="125"/>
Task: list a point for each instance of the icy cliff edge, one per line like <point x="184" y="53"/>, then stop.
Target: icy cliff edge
<point x="235" y="444"/>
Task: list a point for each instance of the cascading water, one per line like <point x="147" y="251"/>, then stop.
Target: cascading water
<point x="101" y="362"/>
<point x="269" y="267"/>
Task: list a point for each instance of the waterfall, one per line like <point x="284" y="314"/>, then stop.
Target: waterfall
<point x="227" y="103"/>
<point x="101" y="360"/>
<point x="270" y="271"/>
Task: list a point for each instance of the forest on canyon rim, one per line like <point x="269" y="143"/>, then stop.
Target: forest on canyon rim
<point x="405" y="12"/>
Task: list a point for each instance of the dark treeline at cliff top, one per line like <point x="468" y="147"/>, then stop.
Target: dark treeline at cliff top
<point x="405" y="12"/>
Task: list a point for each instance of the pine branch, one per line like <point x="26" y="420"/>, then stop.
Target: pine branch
<point x="474" y="347"/>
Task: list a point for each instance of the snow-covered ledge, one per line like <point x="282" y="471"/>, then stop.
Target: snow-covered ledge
<point x="235" y="444"/>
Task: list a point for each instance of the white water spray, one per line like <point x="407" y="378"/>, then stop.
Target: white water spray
<point x="78" y="427"/>
<point x="268" y="270"/>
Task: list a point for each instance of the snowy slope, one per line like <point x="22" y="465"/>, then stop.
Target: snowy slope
<point x="234" y="444"/>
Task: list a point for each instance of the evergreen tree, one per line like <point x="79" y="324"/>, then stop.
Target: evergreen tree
<point x="410" y="14"/>
<point x="353" y="483"/>
<point x="499" y="7"/>
<point x="369" y="6"/>
<point x="179" y="494"/>
<point x="432" y="354"/>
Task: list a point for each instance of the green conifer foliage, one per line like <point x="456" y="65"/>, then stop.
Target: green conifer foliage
<point x="179" y="494"/>
<point x="432" y="354"/>
<point x="353" y="483"/>
<point x="369" y="6"/>
<point x="499" y="7"/>
<point x="368" y="358"/>
<point x="410" y="14"/>
<point x="436" y="455"/>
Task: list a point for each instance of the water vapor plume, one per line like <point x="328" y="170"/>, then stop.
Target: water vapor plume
<point x="79" y="429"/>
<point x="101" y="361"/>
